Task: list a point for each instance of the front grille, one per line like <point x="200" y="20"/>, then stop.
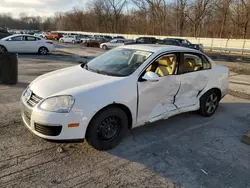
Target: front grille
<point x="48" y="130"/>
<point x="34" y="100"/>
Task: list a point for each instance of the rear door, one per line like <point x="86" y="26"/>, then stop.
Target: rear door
<point x="32" y="44"/>
<point x="193" y="74"/>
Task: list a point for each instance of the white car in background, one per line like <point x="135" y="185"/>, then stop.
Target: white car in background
<point x="113" y="43"/>
<point x="40" y="34"/>
<point x="22" y="43"/>
<point x="124" y="88"/>
<point x="70" y="39"/>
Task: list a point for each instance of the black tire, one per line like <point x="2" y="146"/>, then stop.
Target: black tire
<point x="73" y="41"/>
<point x="209" y="103"/>
<point x="2" y="49"/>
<point x="110" y="120"/>
<point x="104" y="47"/>
<point x="43" y="51"/>
<point x="62" y="41"/>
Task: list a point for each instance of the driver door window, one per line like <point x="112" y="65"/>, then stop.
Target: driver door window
<point x="164" y="66"/>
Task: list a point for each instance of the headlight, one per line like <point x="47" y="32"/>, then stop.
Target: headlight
<point x="27" y="94"/>
<point x="59" y="104"/>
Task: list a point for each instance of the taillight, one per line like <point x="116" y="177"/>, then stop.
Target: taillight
<point x="49" y="42"/>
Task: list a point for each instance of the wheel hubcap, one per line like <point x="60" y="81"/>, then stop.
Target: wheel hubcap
<point x="2" y="50"/>
<point x="43" y="51"/>
<point x="109" y="129"/>
<point x="211" y="103"/>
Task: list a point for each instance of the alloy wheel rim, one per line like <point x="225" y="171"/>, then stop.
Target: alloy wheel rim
<point x="109" y="129"/>
<point x="43" y="51"/>
<point x="211" y="103"/>
<point x="2" y="50"/>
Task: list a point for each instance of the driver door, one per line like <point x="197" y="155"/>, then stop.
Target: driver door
<point x="156" y="98"/>
<point x="16" y="44"/>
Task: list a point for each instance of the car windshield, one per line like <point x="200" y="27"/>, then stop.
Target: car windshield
<point x="118" y="62"/>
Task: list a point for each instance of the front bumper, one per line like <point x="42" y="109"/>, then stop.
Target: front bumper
<point x="53" y="126"/>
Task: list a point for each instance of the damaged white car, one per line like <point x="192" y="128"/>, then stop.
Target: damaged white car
<point x="122" y="89"/>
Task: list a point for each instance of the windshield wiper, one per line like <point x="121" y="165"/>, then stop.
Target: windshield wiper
<point x="98" y="71"/>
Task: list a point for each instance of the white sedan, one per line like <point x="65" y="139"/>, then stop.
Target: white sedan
<point x="113" y="43"/>
<point x="70" y="39"/>
<point x="121" y="89"/>
<point x="22" y="43"/>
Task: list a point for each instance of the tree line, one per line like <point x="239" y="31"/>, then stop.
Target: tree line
<point x="195" y="18"/>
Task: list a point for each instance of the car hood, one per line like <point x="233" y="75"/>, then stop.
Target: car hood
<point x="61" y="80"/>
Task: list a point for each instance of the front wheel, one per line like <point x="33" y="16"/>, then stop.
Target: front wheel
<point x="2" y="50"/>
<point x="209" y="103"/>
<point x="43" y="51"/>
<point x="107" y="129"/>
<point x="104" y="47"/>
<point x="73" y="42"/>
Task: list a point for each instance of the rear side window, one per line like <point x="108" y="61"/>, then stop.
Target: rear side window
<point x="169" y="42"/>
<point x="193" y="63"/>
<point x="31" y="38"/>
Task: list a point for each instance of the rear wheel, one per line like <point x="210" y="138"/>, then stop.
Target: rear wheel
<point x="209" y="103"/>
<point x="43" y="51"/>
<point x="104" y="47"/>
<point x="2" y="50"/>
<point x="107" y="129"/>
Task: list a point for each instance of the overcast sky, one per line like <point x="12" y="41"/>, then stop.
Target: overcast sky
<point x="38" y="7"/>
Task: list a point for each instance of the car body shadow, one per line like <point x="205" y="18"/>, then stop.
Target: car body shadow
<point x="56" y="57"/>
<point x="194" y="151"/>
<point x="17" y="85"/>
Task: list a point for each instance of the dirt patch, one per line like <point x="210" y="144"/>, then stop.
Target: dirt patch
<point x="237" y="67"/>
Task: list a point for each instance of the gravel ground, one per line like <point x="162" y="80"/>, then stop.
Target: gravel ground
<point x="184" y="151"/>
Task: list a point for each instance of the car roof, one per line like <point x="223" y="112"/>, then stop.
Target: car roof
<point x="17" y="35"/>
<point x="158" y="48"/>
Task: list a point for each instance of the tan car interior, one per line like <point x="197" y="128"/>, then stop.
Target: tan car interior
<point x="164" y="66"/>
<point x="189" y="66"/>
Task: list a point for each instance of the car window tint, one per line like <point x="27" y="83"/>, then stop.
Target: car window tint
<point x="193" y="63"/>
<point x="18" y="38"/>
<point x="169" y="42"/>
<point x="30" y="38"/>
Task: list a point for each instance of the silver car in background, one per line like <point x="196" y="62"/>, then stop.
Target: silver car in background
<point x="113" y="43"/>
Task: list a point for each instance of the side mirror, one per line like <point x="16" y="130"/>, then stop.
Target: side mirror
<point x="150" y="76"/>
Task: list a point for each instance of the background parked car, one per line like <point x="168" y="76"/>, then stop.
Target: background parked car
<point x="113" y="43"/>
<point x="4" y="33"/>
<point x="53" y="36"/>
<point x="71" y="39"/>
<point x="94" y="42"/>
<point x="22" y="43"/>
<point x="118" y="37"/>
<point x="41" y="34"/>
<point x="184" y="43"/>
<point x="143" y="40"/>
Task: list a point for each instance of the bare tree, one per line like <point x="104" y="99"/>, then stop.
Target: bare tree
<point x="198" y="11"/>
<point x="181" y="15"/>
<point x="222" y="8"/>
